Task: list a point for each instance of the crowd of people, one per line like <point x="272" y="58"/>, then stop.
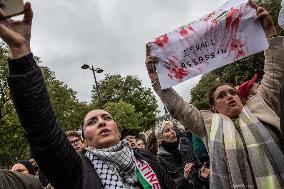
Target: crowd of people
<point x="237" y="143"/>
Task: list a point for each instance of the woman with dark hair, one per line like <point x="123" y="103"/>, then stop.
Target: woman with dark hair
<point x="244" y="141"/>
<point x="107" y="162"/>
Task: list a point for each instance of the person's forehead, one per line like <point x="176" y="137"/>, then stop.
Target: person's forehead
<point x="129" y="136"/>
<point x="223" y="88"/>
<point x="95" y="113"/>
<point x="170" y="125"/>
<point x="72" y="138"/>
<point x="19" y="166"/>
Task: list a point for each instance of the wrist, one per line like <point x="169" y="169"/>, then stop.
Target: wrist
<point x="271" y="33"/>
<point x="18" y="52"/>
<point x="153" y="78"/>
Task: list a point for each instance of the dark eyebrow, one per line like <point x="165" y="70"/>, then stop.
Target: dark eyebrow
<point x="221" y="92"/>
<point x="105" y="114"/>
<point x="96" y="117"/>
<point x="91" y="119"/>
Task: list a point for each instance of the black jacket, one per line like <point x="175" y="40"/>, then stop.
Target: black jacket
<point x="174" y="164"/>
<point x="64" y="168"/>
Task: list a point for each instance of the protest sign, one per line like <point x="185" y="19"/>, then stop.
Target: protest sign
<point x="221" y="37"/>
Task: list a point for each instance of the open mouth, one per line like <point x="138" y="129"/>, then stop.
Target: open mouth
<point x="104" y="132"/>
<point x="132" y="144"/>
<point x="232" y="102"/>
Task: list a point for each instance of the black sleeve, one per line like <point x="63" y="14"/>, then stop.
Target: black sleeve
<point x="49" y="145"/>
<point x="166" y="181"/>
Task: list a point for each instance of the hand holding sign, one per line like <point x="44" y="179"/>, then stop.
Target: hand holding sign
<point x="150" y="65"/>
<point x="265" y="19"/>
<point x="224" y="36"/>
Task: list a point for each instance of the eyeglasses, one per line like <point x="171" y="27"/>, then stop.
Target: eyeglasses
<point x="75" y="142"/>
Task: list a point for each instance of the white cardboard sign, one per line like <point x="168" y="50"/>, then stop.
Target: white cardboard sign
<point x="221" y="37"/>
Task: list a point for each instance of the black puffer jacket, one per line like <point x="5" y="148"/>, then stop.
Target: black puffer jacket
<point x="63" y="167"/>
<point x="174" y="164"/>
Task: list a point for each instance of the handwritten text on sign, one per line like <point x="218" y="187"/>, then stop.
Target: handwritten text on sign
<point x="219" y="38"/>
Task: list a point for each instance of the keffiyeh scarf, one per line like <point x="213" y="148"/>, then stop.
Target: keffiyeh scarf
<point x="244" y="154"/>
<point x="114" y="165"/>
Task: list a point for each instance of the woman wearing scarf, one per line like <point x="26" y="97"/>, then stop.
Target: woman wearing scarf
<point x="244" y="141"/>
<point x="179" y="159"/>
<point x="107" y="162"/>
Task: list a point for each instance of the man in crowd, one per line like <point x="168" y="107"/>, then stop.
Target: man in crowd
<point x="140" y="144"/>
<point x="129" y="136"/>
<point x="75" y="140"/>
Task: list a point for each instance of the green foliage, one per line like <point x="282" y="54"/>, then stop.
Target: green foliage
<point x="125" y="115"/>
<point x="66" y="106"/>
<point x="129" y="89"/>
<point x="237" y="72"/>
<point x="13" y="144"/>
<point x="68" y="109"/>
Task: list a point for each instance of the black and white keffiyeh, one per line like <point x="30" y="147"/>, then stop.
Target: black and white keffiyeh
<point x="115" y="165"/>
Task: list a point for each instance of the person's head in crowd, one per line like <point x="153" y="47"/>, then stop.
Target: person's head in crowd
<point x="140" y="144"/>
<point x="224" y="99"/>
<point x="75" y="139"/>
<point x="100" y="129"/>
<point x="23" y="166"/>
<point x="248" y="89"/>
<point x="165" y="133"/>
<point x="129" y="136"/>
<point x="34" y="163"/>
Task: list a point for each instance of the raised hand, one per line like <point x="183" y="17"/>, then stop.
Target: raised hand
<point x="188" y="169"/>
<point x="150" y="65"/>
<point x="204" y="172"/>
<point x="265" y="19"/>
<point x="17" y="34"/>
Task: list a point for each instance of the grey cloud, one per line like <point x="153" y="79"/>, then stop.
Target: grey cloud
<point x="110" y="34"/>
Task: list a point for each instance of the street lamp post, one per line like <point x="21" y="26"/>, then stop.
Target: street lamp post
<point x="98" y="70"/>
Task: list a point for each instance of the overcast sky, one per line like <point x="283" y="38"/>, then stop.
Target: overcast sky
<point x="110" y="34"/>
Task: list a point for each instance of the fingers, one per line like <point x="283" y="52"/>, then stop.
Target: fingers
<point x="204" y="165"/>
<point x="260" y="11"/>
<point x="5" y="28"/>
<point x="28" y="16"/>
<point x="188" y="166"/>
<point x="2" y="14"/>
<point x="262" y="15"/>
<point x="253" y="5"/>
<point x="151" y="60"/>
<point x="147" y="50"/>
<point x="150" y="63"/>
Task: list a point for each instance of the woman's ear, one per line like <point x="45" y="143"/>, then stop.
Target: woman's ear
<point x="214" y="109"/>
